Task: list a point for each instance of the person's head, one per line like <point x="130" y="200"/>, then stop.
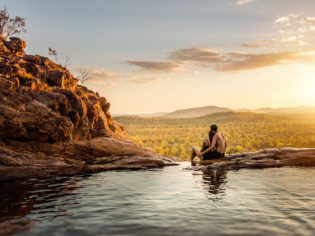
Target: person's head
<point x="213" y="128"/>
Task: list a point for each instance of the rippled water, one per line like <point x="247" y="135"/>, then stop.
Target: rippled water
<point x="168" y="201"/>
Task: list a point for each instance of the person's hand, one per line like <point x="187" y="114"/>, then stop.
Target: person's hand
<point x="200" y="154"/>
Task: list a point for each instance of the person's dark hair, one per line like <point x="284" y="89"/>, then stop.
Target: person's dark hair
<point x="213" y="127"/>
<point x="210" y="136"/>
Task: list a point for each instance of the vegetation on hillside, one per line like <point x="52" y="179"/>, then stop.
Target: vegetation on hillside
<point x="243" y="131"/>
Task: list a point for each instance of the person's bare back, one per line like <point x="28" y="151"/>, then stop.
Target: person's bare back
<point x="220" y="142"/>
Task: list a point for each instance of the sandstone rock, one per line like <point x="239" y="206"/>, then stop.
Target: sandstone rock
<point x="54" y="78"/>
<point x="16" y="45"/>
<point x="267" y="158"/>
<point x="3" y="48"/>
<point x="76" y="157"/>
<point x="51" y="126"/>
<point x="76" y="102"/>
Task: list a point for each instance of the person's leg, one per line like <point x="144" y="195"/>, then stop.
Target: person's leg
<point x="195" y="152"/>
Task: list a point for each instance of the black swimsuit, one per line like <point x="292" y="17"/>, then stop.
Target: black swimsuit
<point x="213" y="154"/>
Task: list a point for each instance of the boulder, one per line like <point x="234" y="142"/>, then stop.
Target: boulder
<point x="54" y="78"/>
<point x="76" y="102"/>
<point x="16" y="46"/>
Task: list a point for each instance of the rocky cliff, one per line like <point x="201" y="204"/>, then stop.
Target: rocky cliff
<point x="50" y="125"/>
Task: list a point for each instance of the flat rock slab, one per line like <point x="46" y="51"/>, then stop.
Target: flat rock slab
<point x="266" y="158"/>
<point x="77" y="157"/>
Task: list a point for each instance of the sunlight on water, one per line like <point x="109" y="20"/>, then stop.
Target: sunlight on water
<point x="169" y="201"/>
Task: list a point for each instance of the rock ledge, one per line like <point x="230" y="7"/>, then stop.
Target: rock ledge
<point x="266" y="158"/>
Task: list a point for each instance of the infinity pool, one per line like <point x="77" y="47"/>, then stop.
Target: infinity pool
<point x="168" y="201"/>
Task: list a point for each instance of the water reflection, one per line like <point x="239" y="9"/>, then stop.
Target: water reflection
<point x="214" y="182"/>
<point x="19" y="199"/>
<point x="172" y="201"/>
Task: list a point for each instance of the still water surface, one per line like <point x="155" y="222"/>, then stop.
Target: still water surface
<point x="168" y="201"/>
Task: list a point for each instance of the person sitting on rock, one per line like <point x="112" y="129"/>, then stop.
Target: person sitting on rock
<point x="213" y="147"/>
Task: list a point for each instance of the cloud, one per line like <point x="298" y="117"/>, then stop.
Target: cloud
<point x="293" y="24"/>
<point x="107" y="79"/>
<point x="273" y="43"/>
<point x="242" y="2"/>
<point x="102" y="84"/>
<point x="238" y="61"/>
<point x="309" y="19"/>
<point x="233" y="61"/>
<point x="99" y="73"/>
<point x="200" y="56"/>
<point x="255" y="61"/>
<point x="293" y="28"/>
<point x="156" y="66"/>
<point x="145" y="80"/>
<point x="285" y="19"/>
<point x="263" y="43"/>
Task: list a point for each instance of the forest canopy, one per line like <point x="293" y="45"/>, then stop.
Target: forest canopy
<point x="244" y="131"/>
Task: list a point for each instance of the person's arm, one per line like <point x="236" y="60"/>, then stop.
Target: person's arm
<point x="214" y="140"/>
<point x="203" y="145"/>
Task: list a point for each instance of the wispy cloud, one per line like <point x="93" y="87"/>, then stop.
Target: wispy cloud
<point x="309" y="19"/>
<point x="286" y="20"/>
<point x="295" y="31"/>
<point x="288" y="41"/>
<point x="255" y="61"/>
<point x="145" y="80"/>
<point x="237" y="61"/>
<point x="242" y="2"/>
<point x="263" y="43"/>
<point x="156" y="66"/>
<point x="100" y="73"/>
<point x="199" y="56"/>
<point x="107" y="79"/>
<point x="295" y="24"/>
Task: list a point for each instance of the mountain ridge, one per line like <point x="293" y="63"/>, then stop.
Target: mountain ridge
<point x="205" y="110"/>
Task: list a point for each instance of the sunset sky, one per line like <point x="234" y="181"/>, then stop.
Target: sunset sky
<point x="150" y="56"/>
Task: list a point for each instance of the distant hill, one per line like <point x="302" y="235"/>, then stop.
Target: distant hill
<point x="143" y="114"/>
<point x="202" y="111"/>
<point x="285" y="110"/>
<point x="196" y="112"/>
<point x="232" y="116"/>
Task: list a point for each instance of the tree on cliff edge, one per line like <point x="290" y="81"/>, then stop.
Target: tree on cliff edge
<point x="53" y="53"/>
<point x="10" y="26"/>
<point x="84" y="76"/>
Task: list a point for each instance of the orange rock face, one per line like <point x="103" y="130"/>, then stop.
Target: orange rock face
<point x="34" y="86"/>
<point x="43" y="110"/>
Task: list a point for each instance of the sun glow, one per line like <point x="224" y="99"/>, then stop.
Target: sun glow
<point x="306" y="81"/>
